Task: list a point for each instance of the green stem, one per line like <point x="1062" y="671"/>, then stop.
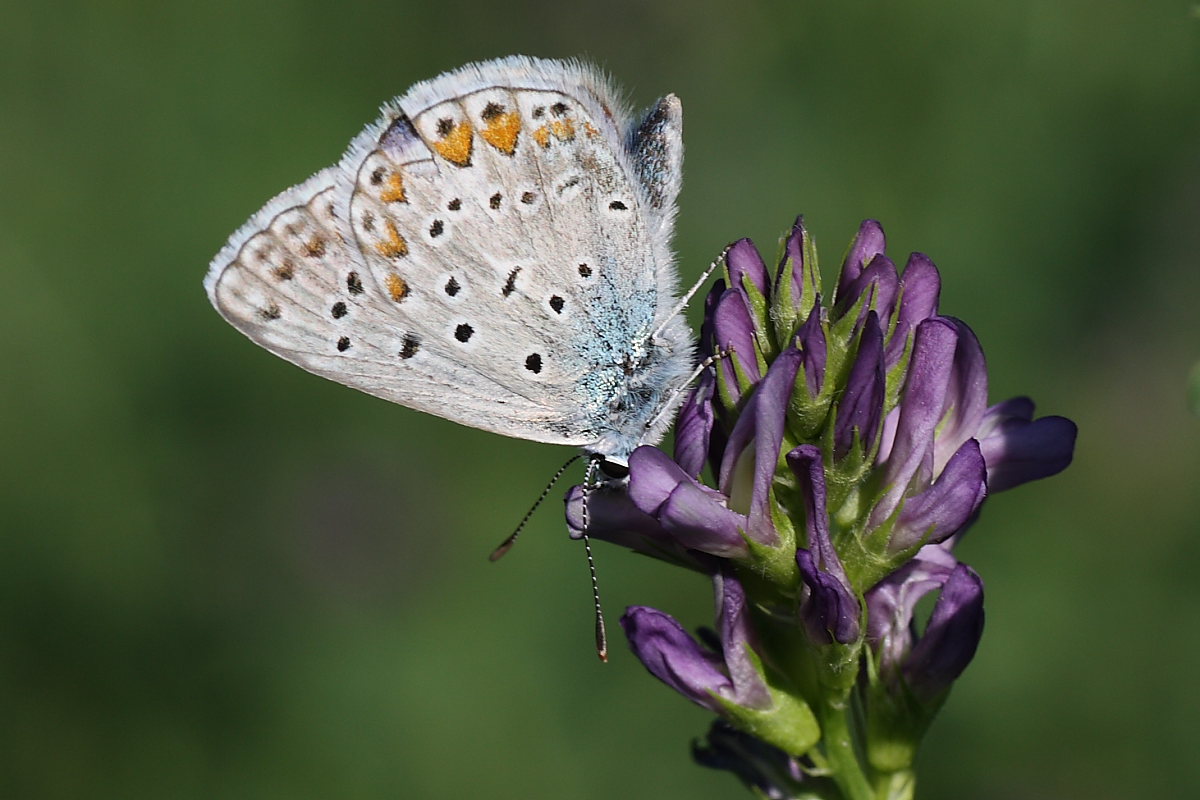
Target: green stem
<point x="841" y="754"/>
<point x="898" y="785"/>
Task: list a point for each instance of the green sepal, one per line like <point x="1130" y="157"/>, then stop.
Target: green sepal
<point x="810" y="286"/>
<point x="896" y="719"/>
<point x="808" y="414"/>
<point x="787" y="312"/>
<point x="765" y="349"/>
<point x="773" y="566"/>
<point x="842" y="328"/>
<point x="725" y="392"/>
<point x="788" y="724"/>
<point x="894" y="381"/>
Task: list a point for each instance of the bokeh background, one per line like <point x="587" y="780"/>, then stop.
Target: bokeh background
<point x="223" y="577"/>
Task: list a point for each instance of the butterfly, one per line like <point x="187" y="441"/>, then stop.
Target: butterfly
<point x="494" y="250"/>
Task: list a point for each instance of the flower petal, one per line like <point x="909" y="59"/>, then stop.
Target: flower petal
<point x="695" y="518"/>
<point x="831" y="611"/>
<point x="868" y="243"/>
<point x="811" y="341"/>
<point x="733" y="334"/>
<point x="892" y="602"/>
<point x="612" y="517"/>
<point x="920" y="411"/>
<point x="941" y="510"/>
<point x="966" y="396"/>
<point x="744" y="261"/>
<point x="708" y="344"/>
<point x="737" y="641"/>
<point x="691" y="514"/>
<point x="762" y="422"/>
<point x="694" y="426"/>
<point x="1019" y="449"/>
<point x="861" y="405"/>
<point x="674" y="657"/>
<point x="951" y="637"/>
<point x="920" y="286"/>
<point x="878" y="282"/>
<point x="652" y="478"/>
<point x="797" y="283"/>
<point x="763" y="767"/>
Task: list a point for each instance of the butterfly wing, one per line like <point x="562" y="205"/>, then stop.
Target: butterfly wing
<point x="492" y="251"/>
<point x="287" y="281"/>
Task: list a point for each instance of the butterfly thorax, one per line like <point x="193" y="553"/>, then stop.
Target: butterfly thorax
<point x="632" y="400"/>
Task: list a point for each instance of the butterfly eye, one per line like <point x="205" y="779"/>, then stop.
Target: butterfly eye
<point x="614" y="470"/>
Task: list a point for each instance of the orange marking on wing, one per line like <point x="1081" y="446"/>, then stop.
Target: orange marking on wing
<point x="501" y="132"/>
<point x="314" y="247"/>
<point x="285" y="271"/>
<point x="394" y="245"/>
<point x="590" y="130"/>
<point x="394" y="193"/>
<point x="397" y="287"/>
<point x="455" y="146"/>
<point x="563" y="129"/>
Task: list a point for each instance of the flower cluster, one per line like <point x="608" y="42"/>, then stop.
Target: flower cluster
<point x="850" y="443"/>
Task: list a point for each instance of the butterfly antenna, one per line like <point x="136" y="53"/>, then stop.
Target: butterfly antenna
<point x="683" y="301"/>
<point x="601" y="636"/>
<point x="507" y="544"/>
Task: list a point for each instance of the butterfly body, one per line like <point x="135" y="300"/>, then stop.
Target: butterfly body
<point x="494" y="250"/>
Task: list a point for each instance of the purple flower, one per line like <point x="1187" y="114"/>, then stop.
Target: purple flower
<point x="927" y="663"/>
<point x="861" y="405"/>
<point x="947" y="505"/>
<point x="849" y="442"/>
<point x="831" y="609"/>
<point x="1017" y="448"/>
<point x="710" y="679"/>
<point x="868" y="243"/>
<point x="692" y="513"/>
<point x="754" y="446"/>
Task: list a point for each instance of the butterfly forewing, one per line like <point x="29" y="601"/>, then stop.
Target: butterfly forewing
<point x="287" y="281"/>
<point x="490" y="251"/>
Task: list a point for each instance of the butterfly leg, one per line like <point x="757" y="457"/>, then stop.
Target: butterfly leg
<point x="687" y="297"/>
<point x="669" y="405"/>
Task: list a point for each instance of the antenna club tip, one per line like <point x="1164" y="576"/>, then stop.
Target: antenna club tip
<point x="603" y="655"/>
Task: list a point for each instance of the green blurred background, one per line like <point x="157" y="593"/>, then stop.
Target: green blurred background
<point x="223" y="577"/>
